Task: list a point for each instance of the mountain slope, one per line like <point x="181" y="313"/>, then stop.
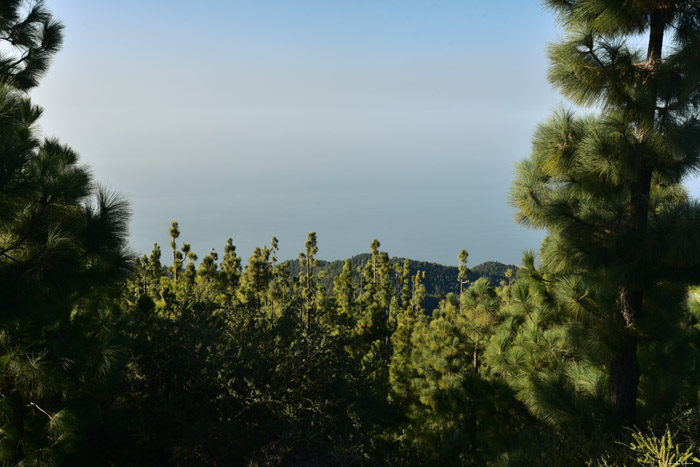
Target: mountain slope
<point x="439" y="279"/>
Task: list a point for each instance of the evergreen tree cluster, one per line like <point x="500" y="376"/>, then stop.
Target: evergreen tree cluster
<point x="589" y="355"/>
<point x="439" y="279"/>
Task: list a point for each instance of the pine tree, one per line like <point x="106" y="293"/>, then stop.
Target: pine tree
<point x="607" y="186"/>
<point x="141" y="271"/>
<point x="457" y="417"/>
<point x="280" y="288"/>
<point x="344" y="296"/>
<point x="32" y="37"/>
<point x="308" y="262"/>
<point x="418" y="292"/>
<point x="190" y="270"/>
<point x="179" y="256"/>
<point x="400" y="365"/>
<point x="509" y="275"/>
<point x="62" y="246"/>
<point x="373" y="333"/>
<point x="374" y="248"/>
<point x="256" y="279"/>
<point x="554" y="363"/>
<point x="463" y="277"/>
<point x="406" y="283"/>
<point x="479" y="305"/>
<point x="208" y="269"/>
<point x="230" y="271"/>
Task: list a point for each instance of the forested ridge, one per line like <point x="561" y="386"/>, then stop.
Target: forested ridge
<point x="439" y="279"/>
<point x="587" y="353"/>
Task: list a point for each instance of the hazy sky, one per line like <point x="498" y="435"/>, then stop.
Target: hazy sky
<point x="355" y="119"/>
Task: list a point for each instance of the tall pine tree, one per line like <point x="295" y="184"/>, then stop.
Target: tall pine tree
<point x="62" y="245"/>
<point x="607" y="186"/>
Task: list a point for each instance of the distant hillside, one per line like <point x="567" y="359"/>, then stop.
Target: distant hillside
<point x="439" y="279"/>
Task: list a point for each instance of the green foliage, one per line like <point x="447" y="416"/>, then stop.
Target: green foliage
<point x="32" y="37"/>
<point x="62" y="255"/>
<point x="463" y="276"/>
<point x="373" y="360"/>
<point x="439" y="281"/>
<point x="662" y="452"/>
<point x="622" y="232"/>
<point x="454" y="413"/>
<point x="648" y="449"/>
<point x="247" y="378"/>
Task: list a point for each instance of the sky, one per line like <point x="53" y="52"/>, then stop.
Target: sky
<point x="359" y="119"/>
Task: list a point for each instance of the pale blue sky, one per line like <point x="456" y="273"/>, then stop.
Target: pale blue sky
<point x="355" y="119"/>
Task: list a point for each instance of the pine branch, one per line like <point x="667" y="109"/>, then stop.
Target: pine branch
<point x="686" y="94"/>
<point x="32" y="404"/>
<point x="11" y="258"/>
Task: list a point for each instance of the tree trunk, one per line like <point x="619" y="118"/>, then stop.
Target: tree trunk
<point x="624" y="369"/>
<point x="476" y="356"/>
<point x="624" y="379"/>
<point x="176" y="266"/>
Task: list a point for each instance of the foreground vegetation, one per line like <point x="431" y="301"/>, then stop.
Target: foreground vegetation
<point x="589" y="356"/>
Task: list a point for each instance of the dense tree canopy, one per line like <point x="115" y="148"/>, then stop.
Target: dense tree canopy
<point x="176" y="359"/>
